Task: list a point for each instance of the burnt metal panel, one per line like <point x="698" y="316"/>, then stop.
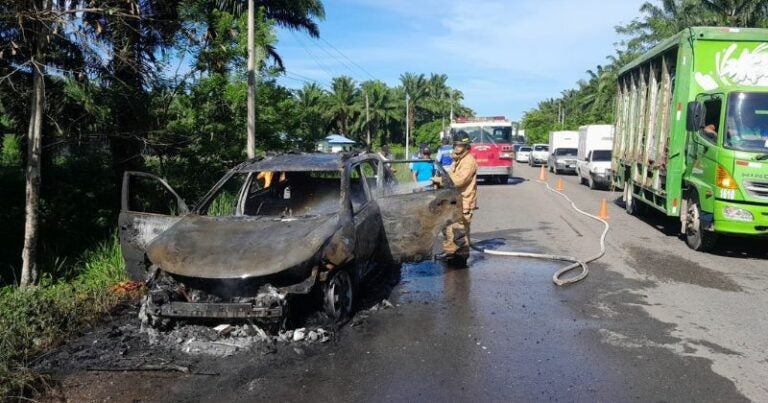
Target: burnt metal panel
<point x="413" y="221"/>
<point x="296" y="162"/>
<point x="240" y="247"/>
<point x="218" y="310"/>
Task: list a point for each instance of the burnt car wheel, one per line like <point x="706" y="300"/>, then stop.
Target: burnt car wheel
<point x="337" y="298"/>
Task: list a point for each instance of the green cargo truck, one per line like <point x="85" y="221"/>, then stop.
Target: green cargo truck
<point x="691" y="137"/>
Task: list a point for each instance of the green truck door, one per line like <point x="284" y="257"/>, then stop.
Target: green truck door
<point x="703" y="151"/>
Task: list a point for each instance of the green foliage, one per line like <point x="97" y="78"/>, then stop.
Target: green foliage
<point x="34" y="320"/>
<point x="592" y="101"/>
<point x="429" y="133"/>
<point x="10" y="154"/>
<point x="223" y="205"/>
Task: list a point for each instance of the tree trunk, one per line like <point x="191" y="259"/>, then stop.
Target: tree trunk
<point x="29" y="269"/>
<point x="251" y="100"/>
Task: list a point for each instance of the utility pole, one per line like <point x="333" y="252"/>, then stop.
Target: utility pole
<point x="367" y="121"/>
<point x="407" y="129"/>
<point x="251" y="103"/>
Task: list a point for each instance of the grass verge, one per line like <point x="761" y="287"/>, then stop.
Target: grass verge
<point x="34" y="320"/>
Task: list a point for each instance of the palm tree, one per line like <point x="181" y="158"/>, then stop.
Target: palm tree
<point x="415" y="87"/>
<point x="383" y="110"/>
<point x="291" y="14"/>
<point x="342" y="103"/>
<point x="439" y="95"/>
<point x="134" y="35"/>
<point x="310" y="101"/>
<point x="738" y="13"/>
<point x="660" y="22"/>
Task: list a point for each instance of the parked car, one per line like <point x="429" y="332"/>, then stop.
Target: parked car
<point x="595" y="169"/>
<point x="539" y="155"/>
<point x="562" y="160"/>
<point x="274" y="228"/>
<point x="523" y="154"/>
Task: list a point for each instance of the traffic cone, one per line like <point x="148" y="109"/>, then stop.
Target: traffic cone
<point x="603" y="210"/>
<point x="543" y="174"/>
<point x="559" y="185"/>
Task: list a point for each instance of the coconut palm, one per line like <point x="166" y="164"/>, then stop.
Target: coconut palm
<point x="311" y="100"/>
<point x="737" y="13"/>
<point x="343" y="102"/>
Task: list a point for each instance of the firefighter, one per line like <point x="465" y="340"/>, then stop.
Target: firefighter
<point x="463" y="174"/>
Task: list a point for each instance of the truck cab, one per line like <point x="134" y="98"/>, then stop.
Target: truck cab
<point x="492" y="145"/>
<point x="698" y="150"/>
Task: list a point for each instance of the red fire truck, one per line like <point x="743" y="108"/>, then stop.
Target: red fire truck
<point x="492" y="140"/>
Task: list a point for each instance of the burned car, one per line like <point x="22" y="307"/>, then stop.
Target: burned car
<point x="275" y="228"/>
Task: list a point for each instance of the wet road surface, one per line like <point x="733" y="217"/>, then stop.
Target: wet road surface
<point x="653" y="321"/>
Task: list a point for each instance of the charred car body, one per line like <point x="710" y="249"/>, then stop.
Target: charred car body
<point x="274" y="228"/>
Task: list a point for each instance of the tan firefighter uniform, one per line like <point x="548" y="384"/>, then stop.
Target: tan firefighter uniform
<point x="463" y="173"/>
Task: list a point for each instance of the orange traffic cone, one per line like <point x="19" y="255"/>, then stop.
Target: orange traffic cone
<point x="559" y="187"/>
<point x="603" y="210"/>
<point x="543" y="174"/>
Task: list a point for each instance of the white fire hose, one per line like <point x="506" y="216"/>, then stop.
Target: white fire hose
<point x="575" y="262"/>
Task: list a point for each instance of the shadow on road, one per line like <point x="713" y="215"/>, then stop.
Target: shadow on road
<point x="513" y="180"/>
<point x="728" y="246"/>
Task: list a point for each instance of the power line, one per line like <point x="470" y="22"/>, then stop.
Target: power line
<point x="354" y="73"/>
<point x="330" y="74"/>
<point x="350" y="60"/>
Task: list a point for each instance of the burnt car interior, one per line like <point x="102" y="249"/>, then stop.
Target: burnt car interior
<point x="290" y="194"/>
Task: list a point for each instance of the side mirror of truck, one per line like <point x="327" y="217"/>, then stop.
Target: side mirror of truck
<point x="695" y="119"/>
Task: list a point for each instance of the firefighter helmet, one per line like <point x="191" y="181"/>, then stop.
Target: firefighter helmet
<point x="461" y="137"/>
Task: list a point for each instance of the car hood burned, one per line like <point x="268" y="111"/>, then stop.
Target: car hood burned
<point x="239" y="247"/>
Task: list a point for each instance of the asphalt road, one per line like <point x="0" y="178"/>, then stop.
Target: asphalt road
<point x="653" y="321"/>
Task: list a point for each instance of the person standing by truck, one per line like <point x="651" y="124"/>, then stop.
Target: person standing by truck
<point x="444" y="152"/>
<point x="463" y="174"/>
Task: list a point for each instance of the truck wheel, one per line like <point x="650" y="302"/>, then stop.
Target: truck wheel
<point x="591" y="183"/>
<point x="629" y="201"/>
<point x="695" y="237"/>
<point x="337" y="296"/>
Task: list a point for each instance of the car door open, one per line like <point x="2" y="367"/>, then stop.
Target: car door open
<point x="149" y="206"/>
<point x="414" y="214"/>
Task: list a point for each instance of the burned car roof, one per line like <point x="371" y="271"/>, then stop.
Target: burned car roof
<point x="296" y="162"/>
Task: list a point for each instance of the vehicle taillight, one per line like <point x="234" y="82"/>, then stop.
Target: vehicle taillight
<point x="724" y="179"/>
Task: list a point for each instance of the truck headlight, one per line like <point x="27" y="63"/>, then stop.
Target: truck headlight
<point x="737" y="214"/>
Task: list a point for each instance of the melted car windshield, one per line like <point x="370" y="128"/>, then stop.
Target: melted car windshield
<point x="601" y="155"/>
<point x="278" y="194"/>
<point x="747" y="122"/>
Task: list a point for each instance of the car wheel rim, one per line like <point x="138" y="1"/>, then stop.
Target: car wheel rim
<point x="339" y="295"/>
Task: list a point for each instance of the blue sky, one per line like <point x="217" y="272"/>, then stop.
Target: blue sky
<point x="504" y="55"/>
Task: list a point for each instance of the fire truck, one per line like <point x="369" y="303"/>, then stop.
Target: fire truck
<point x="492" y="141"/>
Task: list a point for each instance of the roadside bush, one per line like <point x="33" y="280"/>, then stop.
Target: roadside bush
<point x="35" y="320"/>
<point x="10" y="155"/>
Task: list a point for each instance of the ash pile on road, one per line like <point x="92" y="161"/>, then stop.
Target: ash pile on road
<point x="119" y="344"/>
<point x="225" y="340"/>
